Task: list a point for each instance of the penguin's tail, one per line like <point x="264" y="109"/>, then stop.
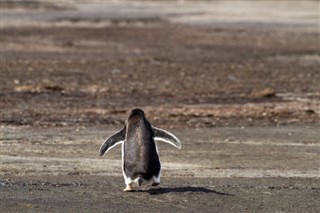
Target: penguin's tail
<point x="140" y="180"/>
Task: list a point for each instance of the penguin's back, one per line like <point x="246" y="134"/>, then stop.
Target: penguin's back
<point x="140" y="152"/>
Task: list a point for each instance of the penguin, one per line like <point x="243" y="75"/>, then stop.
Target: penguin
<point x="140" y="157"/>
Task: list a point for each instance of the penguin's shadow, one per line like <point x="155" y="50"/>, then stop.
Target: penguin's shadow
<point x="157" y="191"/>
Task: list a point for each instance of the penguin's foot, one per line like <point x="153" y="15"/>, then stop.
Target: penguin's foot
<point x="129" y="188"/>
<point x="155" y="184"/>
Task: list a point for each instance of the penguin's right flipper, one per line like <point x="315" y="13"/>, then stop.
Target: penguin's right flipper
<point x="165" y="136"/>
<point x="112" y="141"/>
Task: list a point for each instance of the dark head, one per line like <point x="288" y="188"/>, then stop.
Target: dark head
<point x="136" y="112"/>
<point x="136" y="121"/>
<point x="136" y="115"/>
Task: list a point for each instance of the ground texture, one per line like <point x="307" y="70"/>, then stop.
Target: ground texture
<point x="241" y="93"/>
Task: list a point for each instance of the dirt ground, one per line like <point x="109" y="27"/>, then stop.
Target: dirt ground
<point x="239" y="87"/>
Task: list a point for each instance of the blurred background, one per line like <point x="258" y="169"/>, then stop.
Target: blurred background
<point x="187" y="63"/>
<point x="236" y="81"/>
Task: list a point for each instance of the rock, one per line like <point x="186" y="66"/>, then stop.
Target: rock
<point x="265" y="93"/>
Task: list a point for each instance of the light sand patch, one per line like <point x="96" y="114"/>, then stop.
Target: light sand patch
<point x="62" y="166"/>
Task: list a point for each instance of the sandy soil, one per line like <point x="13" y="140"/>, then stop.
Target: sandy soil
<point x="239" y="87"/>
<point x="219" y="169"/>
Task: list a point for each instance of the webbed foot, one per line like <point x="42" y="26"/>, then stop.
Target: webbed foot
<point x="129" y="188"/>
<point x="155" y="184"/>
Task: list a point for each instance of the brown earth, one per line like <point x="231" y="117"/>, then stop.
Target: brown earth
<point x="243" y="98"/>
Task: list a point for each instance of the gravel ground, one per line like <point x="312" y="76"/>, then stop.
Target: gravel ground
<point x="238" y="85"/>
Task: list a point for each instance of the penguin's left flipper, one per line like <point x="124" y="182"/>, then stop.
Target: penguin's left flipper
<point x="165" y="136"/>
<point x="112" y="141"/>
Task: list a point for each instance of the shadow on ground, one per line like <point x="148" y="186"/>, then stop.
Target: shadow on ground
<point x="166" y="190"/>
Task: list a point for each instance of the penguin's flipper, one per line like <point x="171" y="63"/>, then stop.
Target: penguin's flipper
<point x="165" y="136"/>
<point x="112" y="141"/>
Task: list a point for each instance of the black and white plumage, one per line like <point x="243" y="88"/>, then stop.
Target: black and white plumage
<point x="140" y="159"/>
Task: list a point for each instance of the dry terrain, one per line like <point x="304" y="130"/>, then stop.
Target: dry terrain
<point x="238" y="85"/>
